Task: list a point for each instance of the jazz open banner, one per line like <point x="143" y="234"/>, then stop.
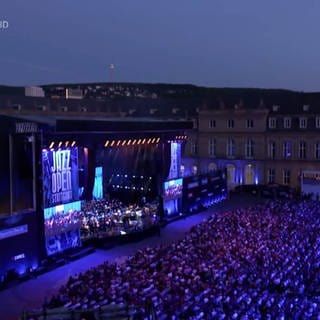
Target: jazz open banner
<point x="60" y="176"/>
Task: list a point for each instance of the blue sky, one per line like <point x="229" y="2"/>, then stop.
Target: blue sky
<point x="248" y="43"/>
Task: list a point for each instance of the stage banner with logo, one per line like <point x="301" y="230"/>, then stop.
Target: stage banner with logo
<point x="60" y="176"/>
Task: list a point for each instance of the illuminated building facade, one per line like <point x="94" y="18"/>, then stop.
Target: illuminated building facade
<point x="261" y="145"/>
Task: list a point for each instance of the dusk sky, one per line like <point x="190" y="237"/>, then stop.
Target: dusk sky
<point x="216" y="43"/>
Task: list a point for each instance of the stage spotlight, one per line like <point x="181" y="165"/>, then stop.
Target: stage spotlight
<point x="149" y="141"/>
<point x="143" y="141"/>
<point x="139" y="141"/>
<point x="112" y="143"/>
<point x="119" y="141"/>
<point x="73" y="143"/>
<point x="66" y="143"/>
<point x="51" y="145"/>
<point x="153" y="140"/>
<point x="106" y="144"/>
<point x="60" y="144"/>
<point x="124" y="142"/>
<point x="129" y="142"/>
<point x="158" y="140"/>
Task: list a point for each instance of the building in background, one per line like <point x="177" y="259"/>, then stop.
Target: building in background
<point x="230" y="138"/>
<point x="34" y="92"/>
<point x="257" y="145"/>
<point x="259" y="136"/>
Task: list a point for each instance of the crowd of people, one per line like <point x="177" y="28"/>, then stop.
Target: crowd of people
<point x="261" y="262"/>
<point x="103" y="218"/>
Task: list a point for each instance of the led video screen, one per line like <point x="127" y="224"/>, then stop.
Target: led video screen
<point x="62" y="227"/>
<point x="60" y="176"/>
<point x="173" y="189"/>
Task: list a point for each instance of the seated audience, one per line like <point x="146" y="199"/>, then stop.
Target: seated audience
<point x="261" y="262"/>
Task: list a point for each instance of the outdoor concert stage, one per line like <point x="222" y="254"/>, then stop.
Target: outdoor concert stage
<point x="54" y="165"/>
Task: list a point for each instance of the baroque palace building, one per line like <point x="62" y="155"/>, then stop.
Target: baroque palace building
<point x="259" y="145"/>
<point x="259" y="136"/>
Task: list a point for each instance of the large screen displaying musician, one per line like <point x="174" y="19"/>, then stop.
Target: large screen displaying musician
<point x="62" y="227"/>
<point x="173" y="189"/>
<point x="60" y="176"/>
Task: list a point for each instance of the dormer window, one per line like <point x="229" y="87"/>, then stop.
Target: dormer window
<point x="272" y="123"/>
<point x="249" y="123"/>
<point x="230" y="123"/>
<point x="287" y="123"/>
<point x="212" y="123"/>
<point x="303" y="123"/>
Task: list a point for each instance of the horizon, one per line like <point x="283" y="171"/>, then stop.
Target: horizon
<point x="152" y="84"/>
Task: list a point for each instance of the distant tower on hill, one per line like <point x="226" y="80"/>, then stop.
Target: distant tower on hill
<point x="111" y="72"/>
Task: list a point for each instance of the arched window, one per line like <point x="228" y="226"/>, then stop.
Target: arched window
<point x="231" y="174"/>
<point x="249" y="174"/>
<point x="194" y="170"/>
<point x="212" y="167"/>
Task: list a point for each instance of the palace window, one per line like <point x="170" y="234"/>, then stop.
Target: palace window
<point x="271" y="149"/>
<point x="303" y="123"/>
<point x="286" y="176"/>
<point x="302" y="150"/>
<point x="194" y="170"/>
<point x="287" y="149"/>
<point x="212" y="147"/>
<point x="194" y="148"/>
<point x="230" y="123"/>
<point x="317" y="150"/>
<point x="212" y="123"/>
<point x="249" y="123"/>
<point x="272" y="123"/>
<point x="249" y="148"/>
<point x="287" y="123"/>
<point x="231" y="148"/>
<point x="271" y="175"/>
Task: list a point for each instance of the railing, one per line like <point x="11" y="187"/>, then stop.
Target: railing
<point x="112" y="312"/>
